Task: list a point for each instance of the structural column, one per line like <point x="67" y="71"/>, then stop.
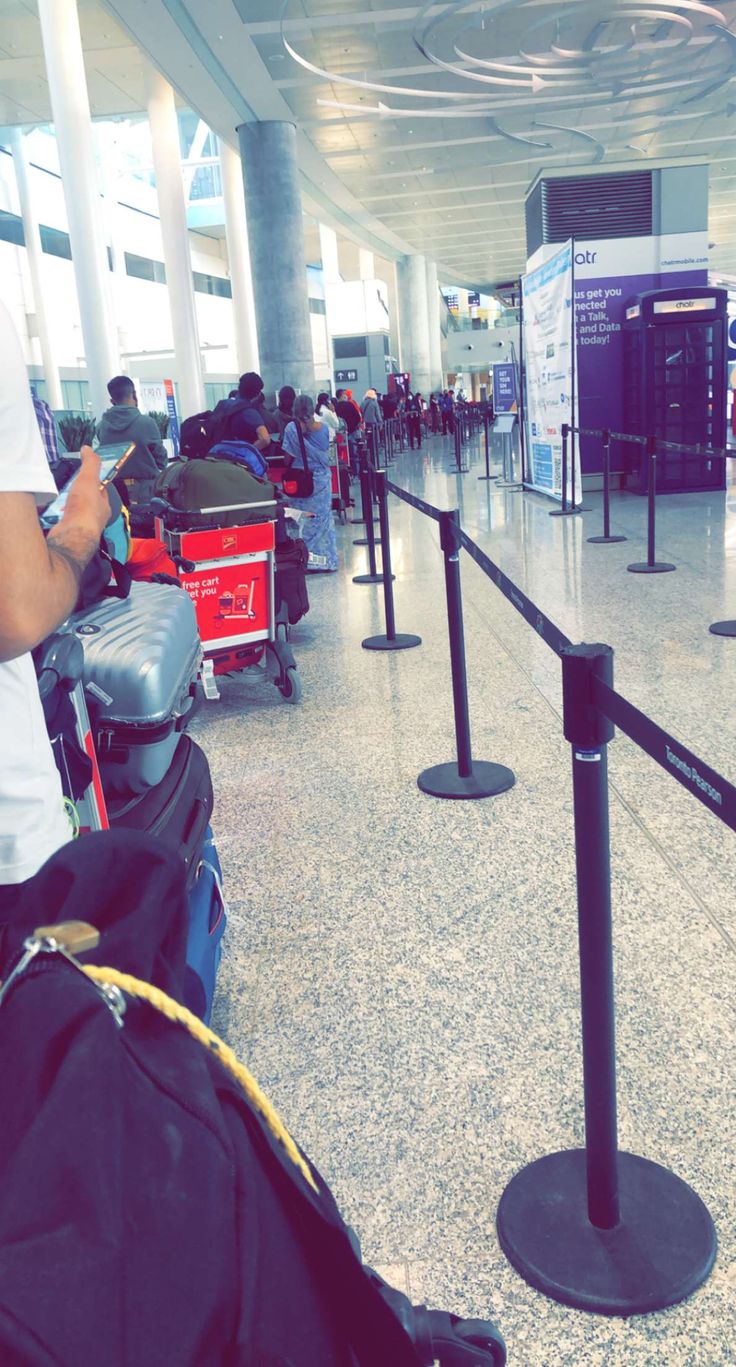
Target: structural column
<point x="62" y="45"/>
<point x="174" y="232"/>
<point x="414" y="313"/>
<point x="435" y="334"/>
<point x="236" y="232"/>
<point x="276" y="238"/>
<point x="35" y="265"/>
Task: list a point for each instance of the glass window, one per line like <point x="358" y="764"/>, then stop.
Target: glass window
<point x="212" y="284"/>
<point x="317" y="306"/>
<point x="11" y="228"/>
<point x="56" y="243"/>
<point x="143" y="268"/>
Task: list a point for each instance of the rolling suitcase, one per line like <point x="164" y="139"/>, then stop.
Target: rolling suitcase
<point x="177" y="811"/>
<point x="142" y="655"/>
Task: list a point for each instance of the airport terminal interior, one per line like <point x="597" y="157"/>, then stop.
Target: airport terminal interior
<point x="415" y="327"/>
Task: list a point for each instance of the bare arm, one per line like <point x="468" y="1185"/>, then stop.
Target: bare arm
<point x="40" y="577"/>
<point x="263" y="438"/>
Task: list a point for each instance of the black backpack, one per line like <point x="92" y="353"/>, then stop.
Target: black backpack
<point x="204" y="430"/>
<point x="154" y="1208"/>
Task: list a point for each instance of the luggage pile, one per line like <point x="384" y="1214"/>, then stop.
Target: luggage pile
<point x="118" y="686"/>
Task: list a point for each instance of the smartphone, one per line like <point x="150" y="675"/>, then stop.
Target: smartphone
<point x="111" y="471"/>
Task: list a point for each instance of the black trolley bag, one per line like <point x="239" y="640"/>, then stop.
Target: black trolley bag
<point x="155" y="1212"/>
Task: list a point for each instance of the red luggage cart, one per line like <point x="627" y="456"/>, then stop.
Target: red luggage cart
<point x="228" y="573"/>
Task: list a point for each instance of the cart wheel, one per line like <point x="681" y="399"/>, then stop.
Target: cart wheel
<point x="291" y="688"/>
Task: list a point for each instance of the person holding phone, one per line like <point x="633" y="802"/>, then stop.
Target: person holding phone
<point x="39" y="579"/>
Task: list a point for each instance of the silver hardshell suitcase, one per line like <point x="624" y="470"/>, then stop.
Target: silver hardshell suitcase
<point x="142" y="655"/>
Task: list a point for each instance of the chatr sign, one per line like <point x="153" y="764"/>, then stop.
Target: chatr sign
<point x="608" y="272"/>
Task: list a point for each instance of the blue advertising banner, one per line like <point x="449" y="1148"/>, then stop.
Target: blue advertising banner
<point x="173" y="415"/>
<point x="504" y="388"/>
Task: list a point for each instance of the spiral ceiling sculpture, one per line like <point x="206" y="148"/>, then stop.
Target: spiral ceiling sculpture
<point x="645" y="65"/>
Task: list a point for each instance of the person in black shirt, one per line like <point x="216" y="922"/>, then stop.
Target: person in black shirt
<point x="351" y="417"/>
<point x="414" y="409"/>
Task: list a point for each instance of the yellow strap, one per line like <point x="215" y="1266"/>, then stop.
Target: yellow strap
<point x="201" y="1032"/>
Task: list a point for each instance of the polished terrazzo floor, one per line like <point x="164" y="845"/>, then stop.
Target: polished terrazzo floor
<point x="401" y="972"/>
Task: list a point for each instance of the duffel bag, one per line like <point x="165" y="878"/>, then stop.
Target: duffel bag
<point x="215" y="493"/>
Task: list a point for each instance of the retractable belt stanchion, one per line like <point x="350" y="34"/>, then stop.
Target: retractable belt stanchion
<point x="487" y="439"/>
<point x="392" y="640"/>
<point x="458" y="441"/>
<point x="567" y="509"/>
<point x="651" y="565"/>
<point x="596" y="1228"/>
<point x="466" y="778"/>
<point x="606" y="539"/>
<point x="366" y="509"/>
<point x="366" y="495"/>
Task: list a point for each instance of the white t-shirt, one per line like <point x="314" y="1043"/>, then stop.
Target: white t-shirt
<point x="33" y="824"/>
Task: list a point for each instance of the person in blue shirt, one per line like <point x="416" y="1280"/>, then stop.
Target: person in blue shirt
<point x="308" y="438"/>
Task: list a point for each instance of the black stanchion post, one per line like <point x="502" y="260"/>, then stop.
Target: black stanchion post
<point x="487" y="439"/>
<point x="651" y="565"/>
<point x="457" y="437"/>
<point x="595" y="1228"/>
<point x="392" y="640"/>
<point x="366" y="509"/>
<point x="606" y="539"/>
<point x="568" y="509"/>
<point x="468" y="778"/>
<point x="366" y="497"/>
<point x="561" y="512"/>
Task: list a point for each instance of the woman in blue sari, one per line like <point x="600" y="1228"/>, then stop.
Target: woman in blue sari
<point x="319" y="529"/>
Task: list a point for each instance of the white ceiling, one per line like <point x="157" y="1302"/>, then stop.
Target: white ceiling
<point x="645" y="88"/>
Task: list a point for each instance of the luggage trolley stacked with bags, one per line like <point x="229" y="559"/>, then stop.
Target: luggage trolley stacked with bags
<point x="220" y="528"/>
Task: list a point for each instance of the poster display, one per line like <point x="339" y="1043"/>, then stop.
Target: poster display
<point x="159" y="396"/>
<point x="550" y="371"/>
<point x="173" y="415"/>
<point x="232" y="600"/>
<point x="609" y="273"/>
<point x="504" y="388"/>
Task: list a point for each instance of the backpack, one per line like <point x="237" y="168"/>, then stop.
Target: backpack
<point x="155" y="1208"/>
<point x="194" y="440"/>
<point x="240" y="453"/>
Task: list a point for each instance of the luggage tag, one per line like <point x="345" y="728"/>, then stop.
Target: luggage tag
<point x="67" y="938"/>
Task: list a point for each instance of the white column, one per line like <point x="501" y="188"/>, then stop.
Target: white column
<point x="435" y="334"/>
<point x="35" y="266"/>
<point x="415" y="321"/>
<point x="332" y="277"/>
<point x="236" y="233"/>
<point x="108" y="161"/>
<point x="366" y="264"/>
<point x="173" y="213"/>
<point x="62" y="45"/>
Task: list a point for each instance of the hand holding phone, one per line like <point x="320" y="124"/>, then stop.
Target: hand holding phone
<point x="113" y="473"/>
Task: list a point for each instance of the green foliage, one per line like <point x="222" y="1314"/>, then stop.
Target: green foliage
<point x="77" y="430"/>
<point x="163" y="422"/>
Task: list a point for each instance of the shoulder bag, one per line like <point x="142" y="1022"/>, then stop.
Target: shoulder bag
<point x="298" y="483"/>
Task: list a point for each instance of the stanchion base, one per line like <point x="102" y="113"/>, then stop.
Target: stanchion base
<point x="401" y="641"/>
<point x="360" y="521"/>
<point x="723" y="628"/>
<point x="487" y="476"/>
<point x="444" y="780"/>
<point x="570" y="512"/>
<point x="369" y="578"/>
<point x="598" y="540"/>
<point x="363" y="541"/>
<point x="659" y="567"/>
<point x="662" y="1250"/>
